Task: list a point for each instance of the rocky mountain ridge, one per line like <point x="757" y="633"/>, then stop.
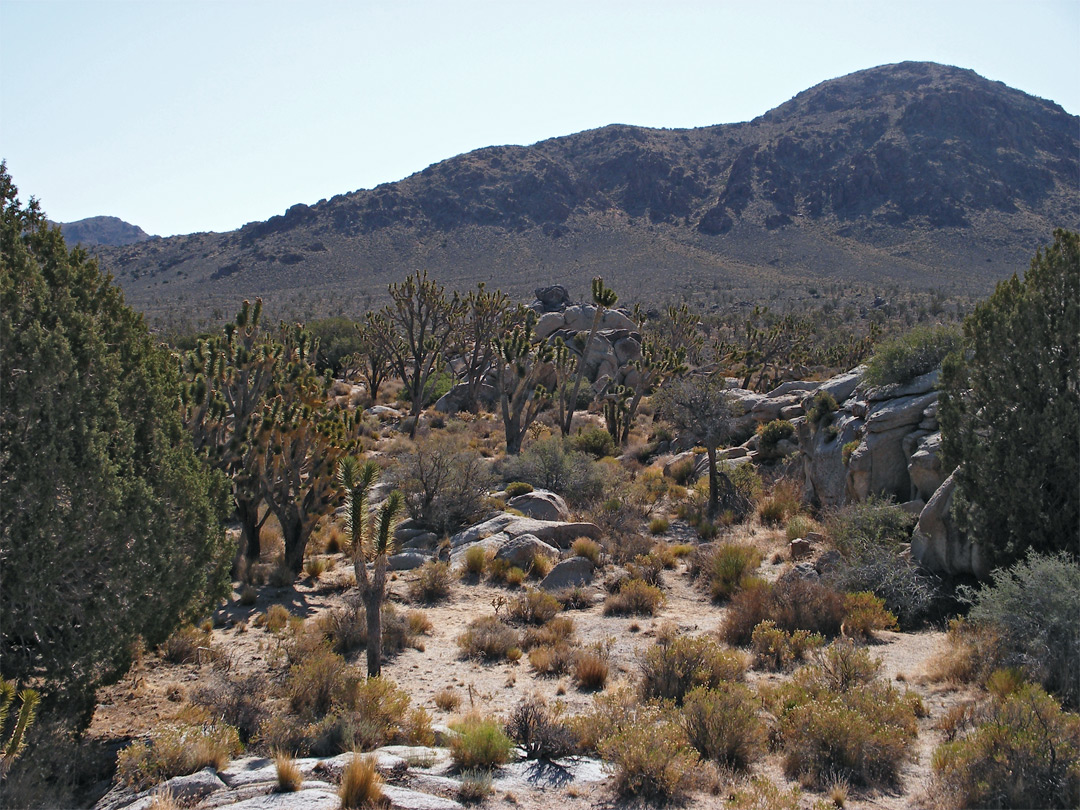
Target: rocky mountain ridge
<point x="915" y="173"/>
<point x="103" y="231"/>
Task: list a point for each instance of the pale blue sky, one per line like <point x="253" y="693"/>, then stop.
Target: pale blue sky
<point x="193" y="116"/>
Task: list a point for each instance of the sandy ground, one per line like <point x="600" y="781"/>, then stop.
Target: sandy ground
<point x="156" y="691"/>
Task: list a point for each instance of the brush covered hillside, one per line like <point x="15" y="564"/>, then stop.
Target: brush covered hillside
<point x="915" y="174"/>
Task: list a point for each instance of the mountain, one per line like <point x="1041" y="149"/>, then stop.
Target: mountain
<point x="111" y="231"/>
<point x="915" y="174"/>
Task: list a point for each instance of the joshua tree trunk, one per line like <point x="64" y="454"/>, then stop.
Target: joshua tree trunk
<point x="373" y="599"/>
<point x="247" y="511"/>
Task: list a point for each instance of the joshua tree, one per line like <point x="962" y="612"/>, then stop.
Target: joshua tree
<point x="603" y="299"/>
<point x="373" y="530"/>
<point x="520" y="365"/>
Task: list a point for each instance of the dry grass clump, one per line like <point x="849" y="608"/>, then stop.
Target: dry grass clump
<point x="552" y="659"/>
<point x="315" y="567"/>
<point x="248" y="595"/>
<point x="659" y="525"/>
<point x="1022" y="751"/>
<point x="289" y="777"/>
<point x="418" y="623"/>
<point x="634" y="598"/>
<point x="488" y="638"/>
<point x="448" y="699"/>
<point x="727" y="567"/>
<point x="475" y="786"/>
<point x="432" y="583"/>
<point x="783" y="502"/>
<point x="591" y="668"/>
<point x="587" y="548"/>
<point x="837" y="720"/>
<point x="673" y="667"/>
<point x="476" y="560"/>
<point x="277" y="617"/>
<point x="480" y="743"/>
<point x="651" y="757"/>
<point x="556" y="631"/>
<point x="969" y="655"/>
<point x="575" y="598"/>
<point x="185" y="746"/>
<point x="361" y="785"/>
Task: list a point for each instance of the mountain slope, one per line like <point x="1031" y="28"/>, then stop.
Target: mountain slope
<point x="111" y="231"/>
<point x="917" y="174"/>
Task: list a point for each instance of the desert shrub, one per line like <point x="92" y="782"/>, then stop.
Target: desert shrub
<point x="659" y="525"/>
<point x="177" y="749"/>
<point x="901" y="359"/>
<point x="587" y="548"/>
<point x="652" y="759"/>
<point x="475" y="561"/>
<point x="875" y="522"/>
<point x="534" y="727"/>
<point x="575" y="598"/>
<point x="722" y="723"/>
<point x="647" y="568"/>
<point x="289" y="777"/>
<point x="772" y="433"/>
<point x="558" y="630"/>
<point x="550" y="464"/>
<point x="822" y="405"/>
<point x="1023" y="751"/>
<point x="776" y="650"/>
<point x="1032" y="608"/>
<point x="443" y="481"/>
<point x="782" y="503"/>
<point x="911" y="593"/>
<point x="448" y="699"/>
<point x="626" y="546"/>
<point x="792" y="603"/>
<point x="611" y="711"/>
<point x="237" y="700"/>
<point x="344" y="628"/>
<point x="799" y="526"/>
<point x="970" y="654"/>
<point x="836" y="720"/>
<point x="847" y="450"/>
<point x="864" y="613"/>
<point x="488" y="638"/>
<point x="516" y="488"/>
<point x="372" y="713"/>
<point x="727" y="566"/>
<point x="684" y="471"/>
<point x="397" y="630"/>
<point x="595" y="441"/>
<point x="533" y="607"/>
<point x="480" y="743"/>
<point x="552" y="659"/>
<point x="418" y="623"/>
<point x="514" y="576"/>
<point x="186" y="646"/>
<point x="361" y="785"/>
<point x="761" y="793"/>
<point x="672" y="668"/>
<point x="664" y="553"/>
<point x="319" y="681"/>
<point x="635" y="598"/>
<point x="248" y="596"/>
<point x="591" y="667"/>
<point x="432" y="583"/>
<point x="540" y="566"/>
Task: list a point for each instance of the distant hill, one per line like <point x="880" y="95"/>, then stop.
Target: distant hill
<point x="111" y="231"/>
<point x="914" y="174"/>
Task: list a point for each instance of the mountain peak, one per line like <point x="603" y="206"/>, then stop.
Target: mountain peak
<point x="102" y="230"/>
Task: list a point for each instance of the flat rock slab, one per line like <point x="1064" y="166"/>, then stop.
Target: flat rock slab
<point x="568" y="573"/>
<point x="541" y="774"/>
<point x="319" y="799"/>
<point x="406" y="799"/>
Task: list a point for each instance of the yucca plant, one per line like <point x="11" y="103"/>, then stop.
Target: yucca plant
<point x="371" y="532"/>
<point x="29" y="699"/>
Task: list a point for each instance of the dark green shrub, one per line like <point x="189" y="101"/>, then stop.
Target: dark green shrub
<point x="672" y="668"/>
<point x="874" y="522"/>
<point x="822" y="405"/>
<point x="480" y="743"/>
<point x="1024" y="751"/>
<point x="1032" y="609"/>
<point x="516" y="488"/>
<point x="901" y="359"/>
<point x="722" y="723"/>
<point x="772" y="433"/>
<point x="595" y="441"/>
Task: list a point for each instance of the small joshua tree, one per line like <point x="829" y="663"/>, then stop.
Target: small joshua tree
<point x="370" y="531"/>
<point x="29" y="699"/>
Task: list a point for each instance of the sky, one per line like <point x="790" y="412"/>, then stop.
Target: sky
<point x="205" y="115"/>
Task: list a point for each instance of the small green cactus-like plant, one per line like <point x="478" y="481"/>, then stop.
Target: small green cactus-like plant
<point x="16" y="741"/>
